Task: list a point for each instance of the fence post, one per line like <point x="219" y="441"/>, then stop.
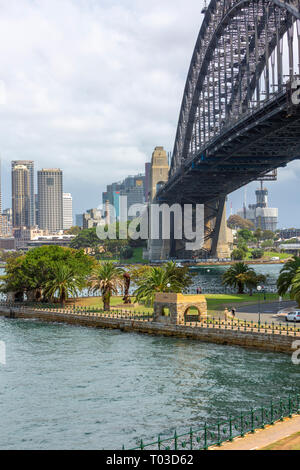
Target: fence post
<point x="281" y="411"/>
<point x="219" y="435"/>
<point x="205" y="437"/>
<point x="230" y="429"/>
<point x="242" y="425"/>
<point x="272" y="412"/>
<point x="262" y="417"/>
<point x="175" y="441"/>
<point x="191" y="438"/>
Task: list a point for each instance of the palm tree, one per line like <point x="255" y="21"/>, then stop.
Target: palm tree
<point x="252" y="280"/>
<point x="235" y="276"/>
<point x="295" y="290"/>
<point x="287" y="275"/>
<point x="181" y="274"/>
<point x="106" y="278"/>
<point x="63" y="283"/>
<point x="156" y="280"/>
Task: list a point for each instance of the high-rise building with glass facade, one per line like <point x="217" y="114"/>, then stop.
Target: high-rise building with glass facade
<point x="50" y="199"/>
<point x="29" y="164"/>
<point x="21" y="196"/>
<point x="67" y="211"/>
<point x="133" y="187"/>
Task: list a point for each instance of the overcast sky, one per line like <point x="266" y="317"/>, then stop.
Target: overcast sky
<point x="92" y="86"/>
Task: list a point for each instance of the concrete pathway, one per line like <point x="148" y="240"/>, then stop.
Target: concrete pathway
<point x="264" y="437"/>
<point x="267" y="307"/>
<point x="269" y="312"/>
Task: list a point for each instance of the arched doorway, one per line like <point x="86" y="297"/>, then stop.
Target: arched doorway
<point x="192" y="314"/>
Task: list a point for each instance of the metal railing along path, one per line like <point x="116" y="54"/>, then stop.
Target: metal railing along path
<point x="211" y="435"/>
<point x="237" y="325"/>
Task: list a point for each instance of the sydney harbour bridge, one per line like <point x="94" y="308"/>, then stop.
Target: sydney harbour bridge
<point x="240" y="113"/>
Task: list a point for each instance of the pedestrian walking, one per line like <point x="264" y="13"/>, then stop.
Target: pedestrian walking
<point x="226" y="313"/>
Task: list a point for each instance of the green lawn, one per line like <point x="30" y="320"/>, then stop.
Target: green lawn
<point x="116" y="300"/>
<point x="273" y="254"/>
<point x="268" y="255"/>
<point x="215" y="302"/>
<point x="136" y="258"/>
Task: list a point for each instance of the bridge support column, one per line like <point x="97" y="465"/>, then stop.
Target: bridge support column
<point x="216" y="231"/>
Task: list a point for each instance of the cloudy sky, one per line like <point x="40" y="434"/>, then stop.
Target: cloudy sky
<point x="92" y="86"/>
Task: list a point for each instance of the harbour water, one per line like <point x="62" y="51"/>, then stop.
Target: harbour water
<point x="209" y="278"/>
<point x="67" y="387"/>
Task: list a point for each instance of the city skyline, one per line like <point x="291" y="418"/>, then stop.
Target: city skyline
<point x="61" y="110"/>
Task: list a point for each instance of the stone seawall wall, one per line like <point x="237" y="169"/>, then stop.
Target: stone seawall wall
<point x="264" y="341"/>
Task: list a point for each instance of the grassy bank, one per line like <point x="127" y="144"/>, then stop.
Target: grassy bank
<point x="215" y="302"/>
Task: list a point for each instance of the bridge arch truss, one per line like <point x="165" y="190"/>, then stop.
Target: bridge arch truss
<point x="237" y="66"/>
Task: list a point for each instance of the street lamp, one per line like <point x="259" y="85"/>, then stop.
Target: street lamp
<point x="259" y="288"/>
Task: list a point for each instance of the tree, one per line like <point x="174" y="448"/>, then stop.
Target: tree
<point x="238" y="254"/>
<point x="267" y="244"/>
<point x="257" y="254"/>
<point x="15" y="279"/>
<point x="237" y="222"/>
<point x="106" y="278"/>
<point x="87" y="238"/>
<point x="126" y="252"/>
<point x="258" y="234"/>
<point x="157" y="279"/>
<point x="295" y="287"/>
<point x="245" y="235"/>
<point x="29" y="274"/>
<point x="167" y="278"/>
<point x="181" y="274"/>
<point x="268" y="235"/>
<point x="138" y="272"/>
<point x="73" y="230"/>
<point x="252" y="280"/>
<point x="64" y="282"/>
<point x="287" y="274"/>
<point x="234" y="276"/>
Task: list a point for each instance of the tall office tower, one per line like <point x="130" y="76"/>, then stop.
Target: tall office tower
<point x="50" y="198"/>
<point x="29" y="164"/>
<point x="36" y="205"/>
<point x="79" y="220"/>
<point x="21" y="196"/>
<point x="67" y="211"/>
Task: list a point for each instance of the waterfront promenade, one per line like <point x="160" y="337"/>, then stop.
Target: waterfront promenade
<point x="264" y="437"/>
<point x="275" y="337"/>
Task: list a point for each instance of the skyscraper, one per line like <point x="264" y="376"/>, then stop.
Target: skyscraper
<point x="29" y="164"/>
<point x="20" y="196"/>
<point x="50" y="198"/>
<point x="67" y="211"/>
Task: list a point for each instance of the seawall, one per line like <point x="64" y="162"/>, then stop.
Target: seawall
<point x="268" y="341"/>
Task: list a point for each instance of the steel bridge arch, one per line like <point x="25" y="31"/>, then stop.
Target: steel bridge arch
<point x="260" y="37"/>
